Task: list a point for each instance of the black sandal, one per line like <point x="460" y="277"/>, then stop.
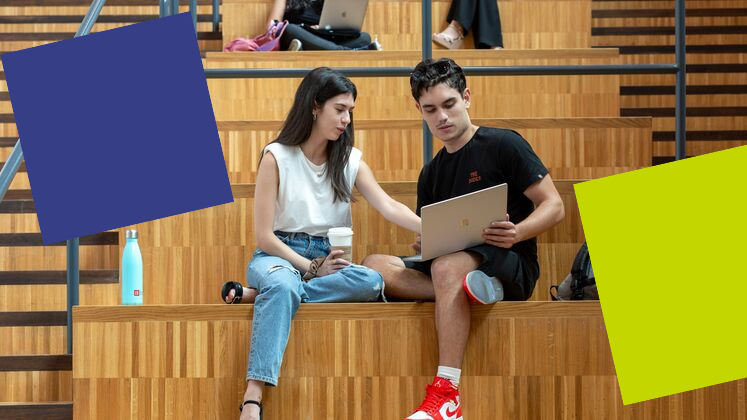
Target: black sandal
<point x="257" y="403"/>
<point x="236" y="287"/>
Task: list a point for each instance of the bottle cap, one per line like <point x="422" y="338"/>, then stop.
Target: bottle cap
<point x="131" y="234"/>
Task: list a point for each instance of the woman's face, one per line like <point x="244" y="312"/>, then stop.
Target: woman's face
<point x="334" y="116"/>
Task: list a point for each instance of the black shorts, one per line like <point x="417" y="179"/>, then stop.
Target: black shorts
<point x="517" y="275"/>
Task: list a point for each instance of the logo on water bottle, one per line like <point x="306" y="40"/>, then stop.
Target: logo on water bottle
<point x="136" y="292"/>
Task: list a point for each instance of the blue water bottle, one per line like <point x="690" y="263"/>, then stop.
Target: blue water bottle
<point x="132" y="271"/>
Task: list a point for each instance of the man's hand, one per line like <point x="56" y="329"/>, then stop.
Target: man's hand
<point x="501" y="233"/>
<point x="416" y="244"/>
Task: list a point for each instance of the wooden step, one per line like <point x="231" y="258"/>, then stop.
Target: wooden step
<point x="21" y="167"/>
<point x="17" y="206"/>
<point x="35" y="239"/>
<point x="33" y="319"/>
<point x="34" y="411"/>
<point x="87" y="3"/>
<point x="49" y="362"/>
<point x="668" y="30"/>
<point x="47" y="386"/>
<point x="44" y="339"/>
<point x="77" y="19"/>
<point x="8" y="141"/>
<point x="48" y="277"/>
<point x="660" y="13"/>
<point x="60" y="36"/>
<point x="370" y="361"/>
<point x="388" y="98"/>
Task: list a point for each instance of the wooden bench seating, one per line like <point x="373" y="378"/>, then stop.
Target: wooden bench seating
<point x="390" y="98"/>
<point x="525" y="360"/>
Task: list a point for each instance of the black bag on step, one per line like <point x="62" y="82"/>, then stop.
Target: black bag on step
<point x="580" y="283"/>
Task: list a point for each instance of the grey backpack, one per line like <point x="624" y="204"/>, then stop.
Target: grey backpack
<point x="580" y="283"/>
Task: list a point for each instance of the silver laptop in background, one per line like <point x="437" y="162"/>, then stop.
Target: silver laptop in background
<point x="456" y="224"/>
<point x="343" y="14"/>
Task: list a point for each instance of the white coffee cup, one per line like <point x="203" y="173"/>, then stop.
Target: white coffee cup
<point x="342" y="238"/>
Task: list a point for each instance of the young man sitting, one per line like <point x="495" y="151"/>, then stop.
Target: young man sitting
<point x="505" y="267"/>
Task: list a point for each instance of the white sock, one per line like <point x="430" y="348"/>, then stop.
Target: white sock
<point x="450" y="373"/>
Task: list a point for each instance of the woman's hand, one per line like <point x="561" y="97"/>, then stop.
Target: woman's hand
<point x="332" y="263"/>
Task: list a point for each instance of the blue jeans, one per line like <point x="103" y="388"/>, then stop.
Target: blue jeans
<point x="281" y="290"/>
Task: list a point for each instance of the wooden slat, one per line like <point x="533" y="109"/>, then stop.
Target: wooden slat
<point x="669" y="49"/>
<point x="17" y="206"/>
<point x="36" y="363"/>
<point x="60" y="36"/>
<point x="57" y="277"/>
<point x="18" y="195"/>
<point x="33" y="411"/>
<point x="691" y="12"/>
<point x="86" y="3"/>
<point x="36" y="386"/>
<point x="702" y="135"/>
<point x="8" y="141"/>
<point x="695" y="112"/>
<point x="77" y="19"/>
<point x="33" y="340"/>
<point x="691" y="90"/>
<point x="31" y="319"/>
<point x="45" y="297"/>
<point x="325" y="312"/>
<point x="35" y="239"/>
<point x="663" y="30"/>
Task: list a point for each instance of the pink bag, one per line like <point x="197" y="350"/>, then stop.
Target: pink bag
<point x="268" y="41"/>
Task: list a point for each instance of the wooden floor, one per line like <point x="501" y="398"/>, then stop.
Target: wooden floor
<point x="525" y="361"/>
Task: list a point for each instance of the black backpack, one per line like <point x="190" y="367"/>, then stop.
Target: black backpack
<point x="580" y="283"/>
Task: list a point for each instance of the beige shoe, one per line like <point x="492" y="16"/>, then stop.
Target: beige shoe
<point x="295" y="45"/>
<point x="447" y="41"/>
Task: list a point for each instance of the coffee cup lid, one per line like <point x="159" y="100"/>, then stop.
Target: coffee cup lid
<point x="340" y="231"/>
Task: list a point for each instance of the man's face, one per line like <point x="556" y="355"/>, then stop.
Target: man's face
<point x="445" y="112"/>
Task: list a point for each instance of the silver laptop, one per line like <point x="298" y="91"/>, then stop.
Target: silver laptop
<point x="343" y="14"/>
<point x="457" y="223"/>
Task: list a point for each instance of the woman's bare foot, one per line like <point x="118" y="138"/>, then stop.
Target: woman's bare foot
<point x="253" y="392"/>
<point x="248" y="296"/>
<point x="250" y="412"/>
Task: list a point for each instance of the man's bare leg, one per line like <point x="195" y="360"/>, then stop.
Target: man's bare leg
<point x="452" y="306"/>
<point x="400" y="282"/>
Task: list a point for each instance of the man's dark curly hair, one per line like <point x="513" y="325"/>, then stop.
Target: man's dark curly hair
<point x="430" y="73"/>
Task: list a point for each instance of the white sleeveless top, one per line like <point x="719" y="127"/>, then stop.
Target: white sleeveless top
<point x="306" y="201"/>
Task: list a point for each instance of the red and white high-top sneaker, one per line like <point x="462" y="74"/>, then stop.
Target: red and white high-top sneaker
<point x="441" y="402"/>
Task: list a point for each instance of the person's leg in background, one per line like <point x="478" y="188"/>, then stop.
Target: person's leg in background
<point x="312" y="42"/>
<point x="486" y="29"/>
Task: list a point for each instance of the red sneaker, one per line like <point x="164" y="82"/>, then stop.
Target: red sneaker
<point x="481" y="288"/>
<point x="441" y="402"/>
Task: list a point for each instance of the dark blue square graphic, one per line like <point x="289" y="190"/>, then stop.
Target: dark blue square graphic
<point x="117" y="128"/>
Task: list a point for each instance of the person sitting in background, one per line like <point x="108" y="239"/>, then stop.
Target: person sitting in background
<point x="303" y="14"/>
<point x="479" y="16"/>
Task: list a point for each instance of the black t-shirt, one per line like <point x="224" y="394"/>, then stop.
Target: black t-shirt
<point x="491" y="157"/>
<point x="308" y="14"/>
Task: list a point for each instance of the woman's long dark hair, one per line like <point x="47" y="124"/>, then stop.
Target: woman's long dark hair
<point x="315" y="89"/>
